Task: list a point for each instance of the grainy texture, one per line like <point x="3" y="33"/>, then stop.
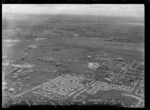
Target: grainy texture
<point x="80" y="62"/>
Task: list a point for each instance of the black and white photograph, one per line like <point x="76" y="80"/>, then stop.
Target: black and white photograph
<point x="73" y="55"/>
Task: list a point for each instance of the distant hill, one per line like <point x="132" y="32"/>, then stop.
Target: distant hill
<point x="61" y="18"/>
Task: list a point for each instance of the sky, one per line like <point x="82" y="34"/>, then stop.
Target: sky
<point x="129" y="10"/>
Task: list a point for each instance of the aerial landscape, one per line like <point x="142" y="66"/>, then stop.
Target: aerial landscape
<point x="72" y="59"/>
